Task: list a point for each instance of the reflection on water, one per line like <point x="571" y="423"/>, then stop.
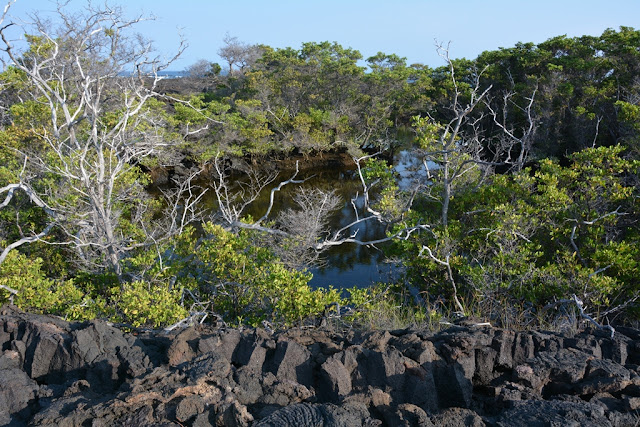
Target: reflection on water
<point x="349" y="264"/>
<point x="410" y="170"/>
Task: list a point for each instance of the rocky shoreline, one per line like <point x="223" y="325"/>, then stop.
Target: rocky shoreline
<point x="92" y="374"/>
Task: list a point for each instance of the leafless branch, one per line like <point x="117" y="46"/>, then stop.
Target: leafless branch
<point x="511" y="140"/>
<point x="452" y="281"/>
<point x="183" y="204"/>
<point x="10" y="190"/>
<point x="12" y="291"/>
<point x="100" y="127"/>
<point x="303" y="231"/>
<point x="584" y="315"/>
<point x="580" y="305"/>
<point x="232" y="202"/>
<point x="578" y="223"/>
<point x="399" y="235"/>
<point x="366" y="188"/>
<point x="291" y="180"/>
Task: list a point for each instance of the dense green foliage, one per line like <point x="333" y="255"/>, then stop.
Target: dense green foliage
<point x="240" y="281"/>
<point x="540" y="235"/>
<point x="532" y="193"/>
<point x="324" y="97"/>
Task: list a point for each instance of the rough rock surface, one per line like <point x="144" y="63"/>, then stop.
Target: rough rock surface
<point x="72" y="374"/>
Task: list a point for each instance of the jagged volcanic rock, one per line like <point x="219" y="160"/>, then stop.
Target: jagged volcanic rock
<point x="57" y="373"/>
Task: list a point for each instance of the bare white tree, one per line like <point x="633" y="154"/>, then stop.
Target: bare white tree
<point x="520" y="140"/>
<point x="453" y="154"/>
<point x="95" y="77"/>
<point x="456" y="152"/>
<point x="239" y="55"/>
<point x="200" y="68"/>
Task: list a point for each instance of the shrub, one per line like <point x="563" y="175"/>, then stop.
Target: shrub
<point x="244" y="283"/>
<point x="37" y="293"/>
<point x="143" y="304"/>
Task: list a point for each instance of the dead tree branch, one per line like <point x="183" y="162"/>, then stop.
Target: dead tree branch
<point x="34" y="198"/>
<point x="100" y="127"/>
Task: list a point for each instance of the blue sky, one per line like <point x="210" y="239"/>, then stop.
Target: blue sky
<point x="404" y="27"/>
